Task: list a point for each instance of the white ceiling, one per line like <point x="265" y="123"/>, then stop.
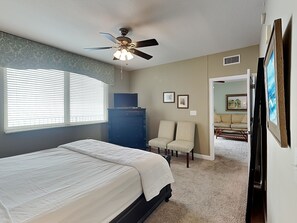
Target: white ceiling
<point x="184" y="28"/>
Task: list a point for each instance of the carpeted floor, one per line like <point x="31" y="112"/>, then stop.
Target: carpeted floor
<point x="208" y="191"/>
<point x="232" y="150"/>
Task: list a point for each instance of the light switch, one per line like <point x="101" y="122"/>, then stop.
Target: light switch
<point x="193" y="113"/>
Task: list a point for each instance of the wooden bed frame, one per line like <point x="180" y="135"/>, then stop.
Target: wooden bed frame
<point x="140" y="209"/>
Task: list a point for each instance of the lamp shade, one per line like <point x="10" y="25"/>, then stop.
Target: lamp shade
<point x="117" y="54"/>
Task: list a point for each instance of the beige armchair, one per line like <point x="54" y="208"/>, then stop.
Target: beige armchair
<point x="184" y="140"/>
<point x="165" y="135"/>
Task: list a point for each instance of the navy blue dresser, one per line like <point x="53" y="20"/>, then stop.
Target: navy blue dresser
<point x="127" y="127"/>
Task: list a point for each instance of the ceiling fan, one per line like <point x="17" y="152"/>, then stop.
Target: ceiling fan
<point x="125" y="47"/>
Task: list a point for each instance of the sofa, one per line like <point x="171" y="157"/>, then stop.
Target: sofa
<point x="232" y="126"/>
<point x="230" y="121"/>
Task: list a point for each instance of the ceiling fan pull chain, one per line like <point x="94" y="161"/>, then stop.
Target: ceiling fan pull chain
<point x="121" y="69"/>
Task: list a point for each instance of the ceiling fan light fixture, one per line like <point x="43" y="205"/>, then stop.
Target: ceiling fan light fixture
<point x="117" y="54"/>
<point x="129" y="56"/>
<point x="123" y="54"/>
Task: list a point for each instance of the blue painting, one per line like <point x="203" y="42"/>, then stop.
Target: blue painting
<point x="271" y="90"/>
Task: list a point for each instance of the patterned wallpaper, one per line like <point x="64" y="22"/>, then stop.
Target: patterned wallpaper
<point x="20" y="53"/>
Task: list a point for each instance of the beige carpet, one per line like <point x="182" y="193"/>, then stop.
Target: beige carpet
<point x="208" y="191"/>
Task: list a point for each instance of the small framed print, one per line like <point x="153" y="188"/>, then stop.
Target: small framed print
<point x="236" y="102"/>
<point x="168" y="97"/>
<point x="183" y="101"/>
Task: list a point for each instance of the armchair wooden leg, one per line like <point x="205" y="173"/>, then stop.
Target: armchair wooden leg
<point x="192" y="154"/>
<point x="176" y="153"/>
<point x="158" y="150"/>
<point x="171" y="152"/>
<point x="187" y="160"/>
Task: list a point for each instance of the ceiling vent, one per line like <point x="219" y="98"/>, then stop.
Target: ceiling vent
<point x="231" y="60"/>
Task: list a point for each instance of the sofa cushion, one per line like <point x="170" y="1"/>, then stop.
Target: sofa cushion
<point x="226" y="118"/>
<point x="244" y="119"/>
<point x="237" y="118"/>
<point x="217" y="118"/>
<point x="239" y="126"/>
<point x="222" y="125"/>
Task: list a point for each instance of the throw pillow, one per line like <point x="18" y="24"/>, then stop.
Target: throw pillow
<point x="217" y="118"/>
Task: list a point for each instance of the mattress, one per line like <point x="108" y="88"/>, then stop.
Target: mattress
<point x="62" y="185"/>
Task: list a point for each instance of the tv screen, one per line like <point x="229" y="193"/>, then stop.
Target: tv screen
<point x="125" y="100"/>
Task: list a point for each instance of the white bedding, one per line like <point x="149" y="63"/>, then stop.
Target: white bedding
<point x="59" y="185"/>
<point x="153" y="169"/>
<point x="83" y="181"/>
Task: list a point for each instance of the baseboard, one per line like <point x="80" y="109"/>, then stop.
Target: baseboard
<point x="201" y="156"/>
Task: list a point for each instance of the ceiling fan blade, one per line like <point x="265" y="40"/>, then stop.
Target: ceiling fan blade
<point x="114" y="58"/>
<point x="110" y="37"/>
<point x="99" y="48"/>
<point x="145" y="43"/>
<point x="141" y="54"/>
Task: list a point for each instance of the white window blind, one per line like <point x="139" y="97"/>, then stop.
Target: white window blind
<point x="34" y="98"/>
<point x="37" y="99"/>
<point x="87" y="99"/>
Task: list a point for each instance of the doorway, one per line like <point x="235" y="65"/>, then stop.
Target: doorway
<point x="212" y="99"/>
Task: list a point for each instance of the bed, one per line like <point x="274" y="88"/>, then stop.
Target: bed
<point x="83" y="181"/>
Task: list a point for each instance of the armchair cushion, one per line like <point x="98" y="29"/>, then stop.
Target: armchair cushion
<point x="181" y="146"/>
<point x="159" y="142"/>
<point x="166" y="129"/>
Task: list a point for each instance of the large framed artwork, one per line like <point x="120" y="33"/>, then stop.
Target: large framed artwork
<point x="236" y="102"/>
<point x="274" y="85"/>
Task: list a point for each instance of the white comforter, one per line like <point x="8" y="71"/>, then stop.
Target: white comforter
<point x="62" y="186"/>
<point x="153" y="169"/>
<point x="78" y="182"/>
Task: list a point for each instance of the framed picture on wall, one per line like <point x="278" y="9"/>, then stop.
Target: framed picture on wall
<point x="168" y="97"/>
<point x="183" y="101"/>
<point x="274" y="85"/>
<point x="236" y="102"/>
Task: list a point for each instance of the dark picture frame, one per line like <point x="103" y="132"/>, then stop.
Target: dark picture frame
<point x="169" y="97"/>
<point x="236" y="102"/>
<point x="274" y="85"/>
<point x="183" y="101"/>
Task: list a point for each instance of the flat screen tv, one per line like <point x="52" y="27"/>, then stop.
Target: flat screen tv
<point x="125" y="100"/>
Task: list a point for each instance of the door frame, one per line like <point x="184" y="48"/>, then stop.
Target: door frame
<point x="211" y="107"/>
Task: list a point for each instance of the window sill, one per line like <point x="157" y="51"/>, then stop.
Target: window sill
<point x="25" y="129"/>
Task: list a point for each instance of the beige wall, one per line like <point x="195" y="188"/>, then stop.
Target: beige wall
<point x="121" y="85"/>
<point x="248" y="60"/>
<point x="186" y="77"/>
<point x="282" y="162"/>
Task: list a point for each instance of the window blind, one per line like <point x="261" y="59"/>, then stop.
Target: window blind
<point x="87" y="99"/>
<point x="34" y="98"/>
